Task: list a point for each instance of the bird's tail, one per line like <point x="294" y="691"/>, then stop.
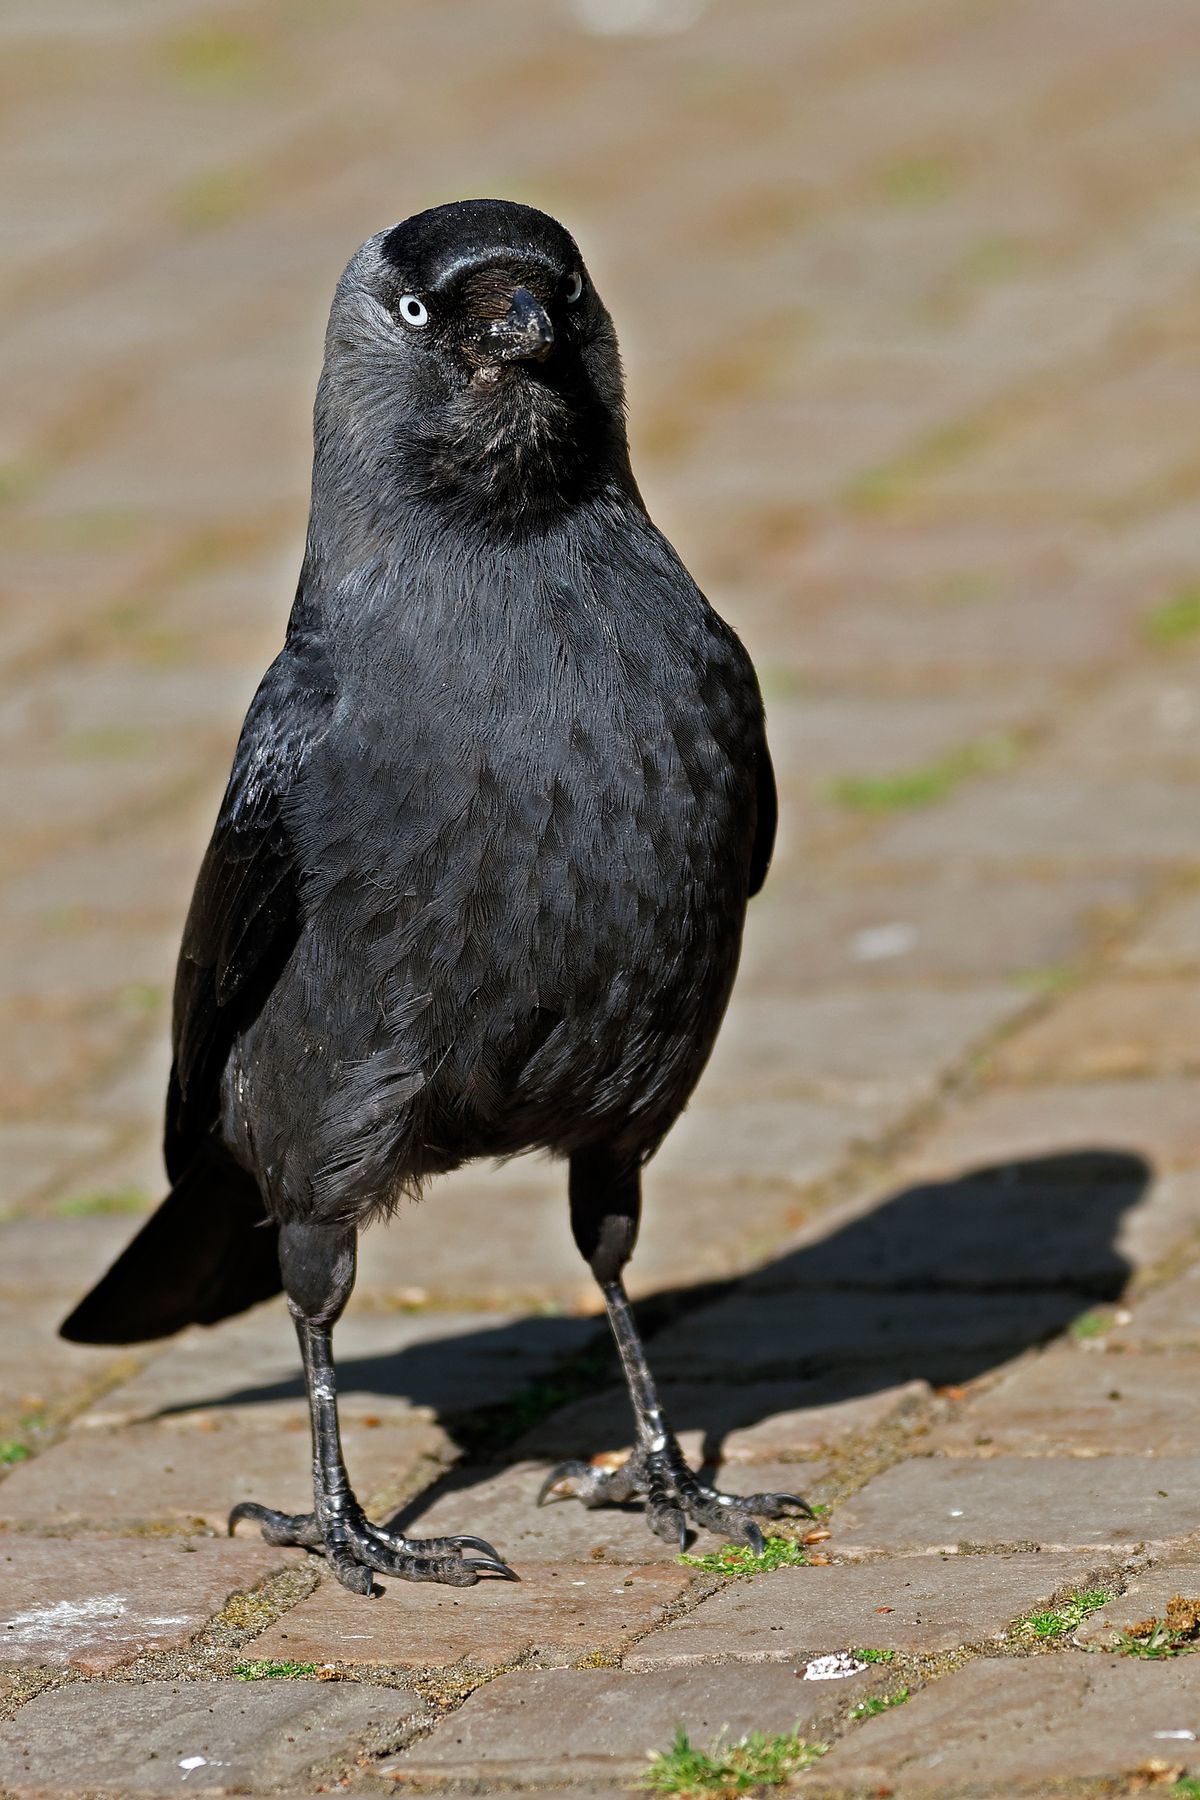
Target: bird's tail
<point x="208" y="1251"/>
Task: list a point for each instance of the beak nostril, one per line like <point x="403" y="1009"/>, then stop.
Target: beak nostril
<point x="525" y="332"/>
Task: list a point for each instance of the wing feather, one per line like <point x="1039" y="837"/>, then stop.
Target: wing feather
<point x="767" y="818"/>
<point x="245" y="912"/>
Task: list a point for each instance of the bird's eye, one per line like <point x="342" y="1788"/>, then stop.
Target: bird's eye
<point x="573" y="288"/>
<point x="413" y="311"/>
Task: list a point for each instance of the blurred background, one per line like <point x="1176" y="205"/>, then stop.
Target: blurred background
<point x="908" y="295"/>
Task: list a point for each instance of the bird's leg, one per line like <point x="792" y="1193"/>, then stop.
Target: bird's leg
<point x="318" y="1266"/>
<point x="605" y="1207"/>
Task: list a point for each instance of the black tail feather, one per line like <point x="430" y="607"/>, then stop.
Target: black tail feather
<point x="208" y="1251"/>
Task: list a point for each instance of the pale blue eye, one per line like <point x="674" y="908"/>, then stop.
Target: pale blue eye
<point x="413" y="311"/>
<point x="573" y="288"/>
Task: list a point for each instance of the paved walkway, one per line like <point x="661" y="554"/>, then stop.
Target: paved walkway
<point x="910" y="295"/>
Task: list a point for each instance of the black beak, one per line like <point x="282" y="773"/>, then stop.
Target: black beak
<point x="525" y="334"/>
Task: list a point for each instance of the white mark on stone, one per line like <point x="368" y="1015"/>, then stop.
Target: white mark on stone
<point x="1176" y="709"/>
<point x="956" y="1512"/>
<point x="637" y="18"/>
<point x="64" y="1618"/>
<point x="833" y="1668"/>
<point x="188" y="1763"/>
<point x="876" y="943"/>
<point x="1187" y="1736"/>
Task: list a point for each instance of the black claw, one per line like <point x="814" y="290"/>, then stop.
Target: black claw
<point x="752" y="1535"/>
<point x="669" y="1523"/>
<point x="565" y="1471"/>
<point x="491" y="1565"/>
<point x="673" y="1496"/>
<point x="352" y="1574"/>
<point x="356" y="1547"/>
<point x="792" y="1501"/>
<point x="474" y="1543"/>
<point x="250" y="1509"/>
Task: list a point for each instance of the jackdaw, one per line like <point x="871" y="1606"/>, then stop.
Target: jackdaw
<point x="478" y="880"/>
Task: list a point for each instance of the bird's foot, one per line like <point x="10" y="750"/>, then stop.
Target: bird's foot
<point x="354" y="1548"/>
<point x="674" y="1495"/>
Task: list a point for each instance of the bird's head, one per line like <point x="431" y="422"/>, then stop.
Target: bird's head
<point x="471" y="362"/>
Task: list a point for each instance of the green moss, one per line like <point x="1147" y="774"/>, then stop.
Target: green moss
<point x="755" y="1761"/>
<point x="1059" y="1621"/>
<point x="18" y="479"/>
<point x="140" y="997"/>
<point x="874" y="1656"/>
<point x="1092" y="1324"/>
<point x="102" y="1202"/>
<point x="214" y="60"/>
<point x="918" y="181"/>
<point x="273" y="1671"/>
<point x="107" y="742"/>
<point x="1051" y="978"/>
<point x="99" y="527"/>
<point x="213" y="199"/>
<point x="926" y="784"/>
<point x="965" y="588"/>
<point x="492" y="1428"/>
<point x="12" y="1450"/>
<point x="888" y="484"/>
<point x="994" y="258"/>
<point x="878" y="1703"/>
<point x="739" y="1559"/>
<point x="1176" y="620"/>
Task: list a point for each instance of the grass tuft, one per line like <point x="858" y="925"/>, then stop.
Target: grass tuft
<point x="12" y="1450"/>
<point x="1177" y="1633"/>
<point x="926" y="784"/>
<point x="1176" y="620"/>
<point x="875" y="1656"/>
<point x="739" y="1559"/>
<point x="754" y="1761"/>
<point x="878" y="1703"/>
<point x="1059" y="1621"/>
<point x="273" y="1671"/>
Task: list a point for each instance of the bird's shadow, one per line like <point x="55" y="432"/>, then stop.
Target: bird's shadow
<point x="940" y="1281"/>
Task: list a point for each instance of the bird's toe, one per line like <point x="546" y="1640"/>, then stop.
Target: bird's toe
<point x="299" y="1529"/>
<point x="675" y="1496"/>
<point x="428" y="1559"/>
<point x="350" y="1572"/>
<point x="574" y="1481"/>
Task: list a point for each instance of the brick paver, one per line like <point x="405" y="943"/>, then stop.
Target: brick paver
<point x="908" y="292"/>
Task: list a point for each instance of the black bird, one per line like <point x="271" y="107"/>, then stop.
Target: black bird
<point x="479" y="877"/>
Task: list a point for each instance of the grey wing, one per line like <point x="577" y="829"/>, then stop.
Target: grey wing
<point x="245" y="912"/>
<point x="767" y="817"/>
